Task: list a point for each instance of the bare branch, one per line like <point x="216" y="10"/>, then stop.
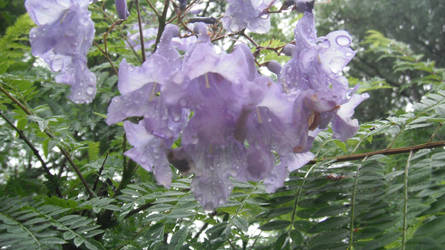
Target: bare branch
<point x="390" y="151"/>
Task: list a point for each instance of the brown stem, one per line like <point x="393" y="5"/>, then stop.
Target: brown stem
<point x="153" y="8"/>
<point x="12" y="98"/>
<point x="204" y="227"/>
<point x="162" y="21"/>
<point x="76" y="169"/>
<point x="141" y="32"/>
<point x="132" y="49"/>
<point x="35" y="152"/>
<point x="250" y="39"/>
<point x="137" y="210"/>
<point x="99" y="173"/>
<point x="107" y="57"/>
<point x="391" y="151"/>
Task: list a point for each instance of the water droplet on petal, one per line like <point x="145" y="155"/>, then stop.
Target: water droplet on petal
<point x="234" y="27"/>
<point x="343" y="41"/>
<point x="90" y="90"/>
<point x="336" y="65"/>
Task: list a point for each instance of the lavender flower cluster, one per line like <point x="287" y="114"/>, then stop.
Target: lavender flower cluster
<point x="214" y="115"/>
<point x="63" y="35"/>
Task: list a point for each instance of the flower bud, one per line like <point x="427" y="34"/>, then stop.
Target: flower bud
<point x="274" y="67"/>
<point x="304" y="5"/>
<point x="121" y="8"/>
<point x="182" y="4"/>
<point x="288" y="50"/>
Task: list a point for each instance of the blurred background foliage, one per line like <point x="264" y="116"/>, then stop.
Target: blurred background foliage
<point x="377" y="202"/>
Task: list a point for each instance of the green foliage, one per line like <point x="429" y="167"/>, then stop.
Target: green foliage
<point x="355" y="204"/>
<point x="28" y="224"/>
<point x="14" y="44"/>
<point x="9" y="11"/>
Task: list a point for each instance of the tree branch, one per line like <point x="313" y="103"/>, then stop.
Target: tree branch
<point x="390" y="151"/>
<point x="35" y="152"/>
<point x="106" y="57"/>
<point x="64" y="152"/>
<point x="141" y="32"/>
<point x="137" y="210"/>
<point x="99" y="173"/>
<point x="405" y="200"/>
<point x="13" y="99"/>
<point x="153" y="8"/>
<point x="162" y="20"/>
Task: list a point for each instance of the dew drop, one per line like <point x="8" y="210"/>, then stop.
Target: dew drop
<point x="336" y="65"/>
<point x="57" y="64"/>
<point x="234" y="27"/>
<point x="195" y="140"/>
<point x="176" y="118"/>
<point x="343" y="41"/>
<point x="90" y="90"/>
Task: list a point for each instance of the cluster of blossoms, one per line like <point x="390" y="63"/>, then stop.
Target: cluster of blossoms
<point x="63" y="35"/>
<point x="225" y="119"/>
<point x="248" y="14"/>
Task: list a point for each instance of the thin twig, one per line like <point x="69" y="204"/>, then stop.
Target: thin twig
<point x="249" y="38"/>
<point x="139" y="209"/>
<point x="405" y="200"/>
<point x="297" y="198"/>
<point x="110" y="29"/>
<point x="12" y="98"/>
<point x="107" y="57"/>
<point x="141" y="32"/>
<point x="204" y="12"/>
<point x="231" y="244"/>
<point x="161" y="25"/>
<point x="64" y="152"/>
<point x="354" y="193"/>
<point x="153" y="8"/>
<point x="76" y="169"/>
<point x="204" y="227"/>
<point x="126" y="177"/>
<point x="100" y="173"/>
<point x="133" y="49"/>
<point x="391" y="151"/>
<point x="35" y="152"/>
<point x="436" y="130"/>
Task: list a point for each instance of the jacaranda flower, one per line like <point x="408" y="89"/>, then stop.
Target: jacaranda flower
<point x="62" y="38"/>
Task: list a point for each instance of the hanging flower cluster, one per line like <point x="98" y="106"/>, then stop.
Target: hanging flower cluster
<point x="250" y="14"/>
<point x="225" y="119"/>
<point x="63" y="35"/>
<point x="232" y="121"/>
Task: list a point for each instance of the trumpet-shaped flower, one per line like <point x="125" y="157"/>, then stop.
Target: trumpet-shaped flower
<point x="62" y="38"/>
<point x="241" y="14"/>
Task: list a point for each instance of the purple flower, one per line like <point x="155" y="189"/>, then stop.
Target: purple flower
<point x="316" y="69"/>
<point x="148" y="151"/>
<point x="211" y="191"/>
<point x="140" y="86"/>
<point x="149" y="37"/>
<point x="241" y="14"/>
<point x="244" y="126"/>
<point x="121" y="8"/>
<point x="343" y="126"/>
<point x="62" y="38"/>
